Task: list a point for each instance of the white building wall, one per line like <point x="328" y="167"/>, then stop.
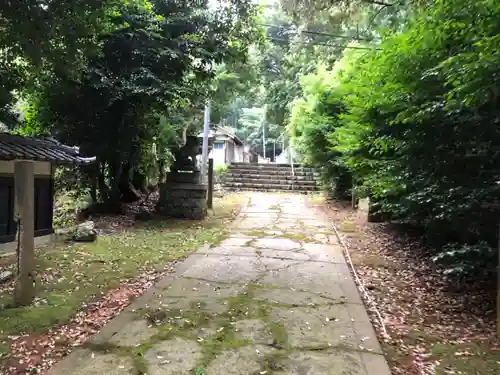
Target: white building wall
<point x="229" y="151"/>
<point x="219" y="155"/>
<point x="238" y="154"/>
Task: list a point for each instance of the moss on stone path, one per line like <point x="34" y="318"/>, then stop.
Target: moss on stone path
<point x="264" y="302"/>
<point x="223" y="334"/>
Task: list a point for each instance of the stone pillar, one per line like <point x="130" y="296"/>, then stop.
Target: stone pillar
<point x="25" y="210"/>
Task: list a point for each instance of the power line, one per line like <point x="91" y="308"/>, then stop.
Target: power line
<point x="327" y="45"/>
<point x="338" y="36"/>
<point x="288" y="28"/>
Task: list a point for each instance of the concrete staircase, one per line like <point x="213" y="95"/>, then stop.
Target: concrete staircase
<point x="271" y="177"/>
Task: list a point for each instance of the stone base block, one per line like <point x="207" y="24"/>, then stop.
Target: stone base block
<point x="182" y="200"/>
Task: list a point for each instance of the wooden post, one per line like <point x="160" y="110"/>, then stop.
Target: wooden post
<point x="498" y="286"/>
<point x="25" y="211"/>
<point x="210" y="193"/>
<point x="354" y="200"/>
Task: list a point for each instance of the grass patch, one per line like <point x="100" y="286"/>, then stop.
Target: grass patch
<point x="275" y="207"/>
<point x="371" y="260"/>
<point x="258" y="233"/>
<point x="273" y="362"/>
<point x="186" y="323"/>
<point x="470" y="359"/>
<point x="279" y="335"/>
<point x="70" y="275"/>
<point x="4" y="350"/>
<point x="138" y="360"/>
<point x="348" y="227"/>
<point x="178" y="318"/>
<point x="242" y="306"/>
<point x="317" y="198"/>
<point x="224" y="339"/>
<point x="263" y="234"/>
<point x="135" y="354"/>
<point x="297" y="237"/>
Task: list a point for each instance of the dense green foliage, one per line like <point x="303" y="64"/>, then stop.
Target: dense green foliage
<point x="416" y="122"/>
<point x="397" y="101"/>
<point x="122" y="79"/>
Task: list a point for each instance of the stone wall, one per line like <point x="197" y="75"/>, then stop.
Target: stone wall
<point x="182" y="200"/>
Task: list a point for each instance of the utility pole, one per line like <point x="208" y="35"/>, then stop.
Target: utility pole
<point x="283" y="144"/>
<point x="204" y="148"/>
<point x="274" y="151"/>
<point x="264" y="140"/>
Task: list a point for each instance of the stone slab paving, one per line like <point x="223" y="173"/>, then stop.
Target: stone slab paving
<point x="276" y="297"/>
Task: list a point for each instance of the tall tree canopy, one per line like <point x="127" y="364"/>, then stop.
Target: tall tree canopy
<point x="114" y="76"/>
<point x="398" y="97"/>
<point x="414" y="120"/>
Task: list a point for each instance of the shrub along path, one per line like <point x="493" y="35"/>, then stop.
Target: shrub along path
<point x="275" y="297"/>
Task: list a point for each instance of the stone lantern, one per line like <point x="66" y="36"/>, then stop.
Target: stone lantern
<point x="183" y="195"/>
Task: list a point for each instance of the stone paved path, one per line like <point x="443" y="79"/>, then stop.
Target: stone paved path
<point x="276" y="297"/>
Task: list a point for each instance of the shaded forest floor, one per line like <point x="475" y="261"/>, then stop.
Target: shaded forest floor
<point x="434" y="325"/>
<point x="84" y="285"/>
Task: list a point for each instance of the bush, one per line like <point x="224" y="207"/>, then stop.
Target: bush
<point x="417" y="122"/>
<point x="220" y="172"/>
<point x="71" y="196"/>
<point x="66" y="208"/>
<point x="461" y="259"/>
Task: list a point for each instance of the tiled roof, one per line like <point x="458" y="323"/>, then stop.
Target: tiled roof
<point x="224" y="132"/>
<point x="14" y="147"/>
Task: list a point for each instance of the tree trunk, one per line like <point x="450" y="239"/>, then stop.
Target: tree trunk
<point x="101" y="182"/>
<point x="162" y="171"/>
<point x="139" y="182"/>
<point x="498" y="286"/>
<point x="126" y="190"/>
<point x="94" y="181"/>
<point x="114" y="196"/>
<point x="93" y="190"/>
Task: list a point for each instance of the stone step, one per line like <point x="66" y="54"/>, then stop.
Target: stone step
<point x="262" y="186"/>
<point x="232" y="176"/>
<point x="272" y="172"/>
<point x="269" y="167"/>
<point x="265" y="180"/>
<point x="272" y="190"/>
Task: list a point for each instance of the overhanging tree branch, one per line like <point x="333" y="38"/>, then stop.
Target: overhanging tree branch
<point x="378" y="3"/>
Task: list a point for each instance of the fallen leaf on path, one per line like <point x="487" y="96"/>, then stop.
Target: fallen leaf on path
<point x="38" y="352"/>
<point x="421" y="308"/>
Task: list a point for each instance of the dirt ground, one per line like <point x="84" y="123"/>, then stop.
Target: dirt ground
<point x="435" y="326"/>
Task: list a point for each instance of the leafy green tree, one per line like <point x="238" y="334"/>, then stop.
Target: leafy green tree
<point x="159" y="59"/>
<point x="40" y="37"/>
<point x="420" y="128"/>
<point x="254" y="129"/>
